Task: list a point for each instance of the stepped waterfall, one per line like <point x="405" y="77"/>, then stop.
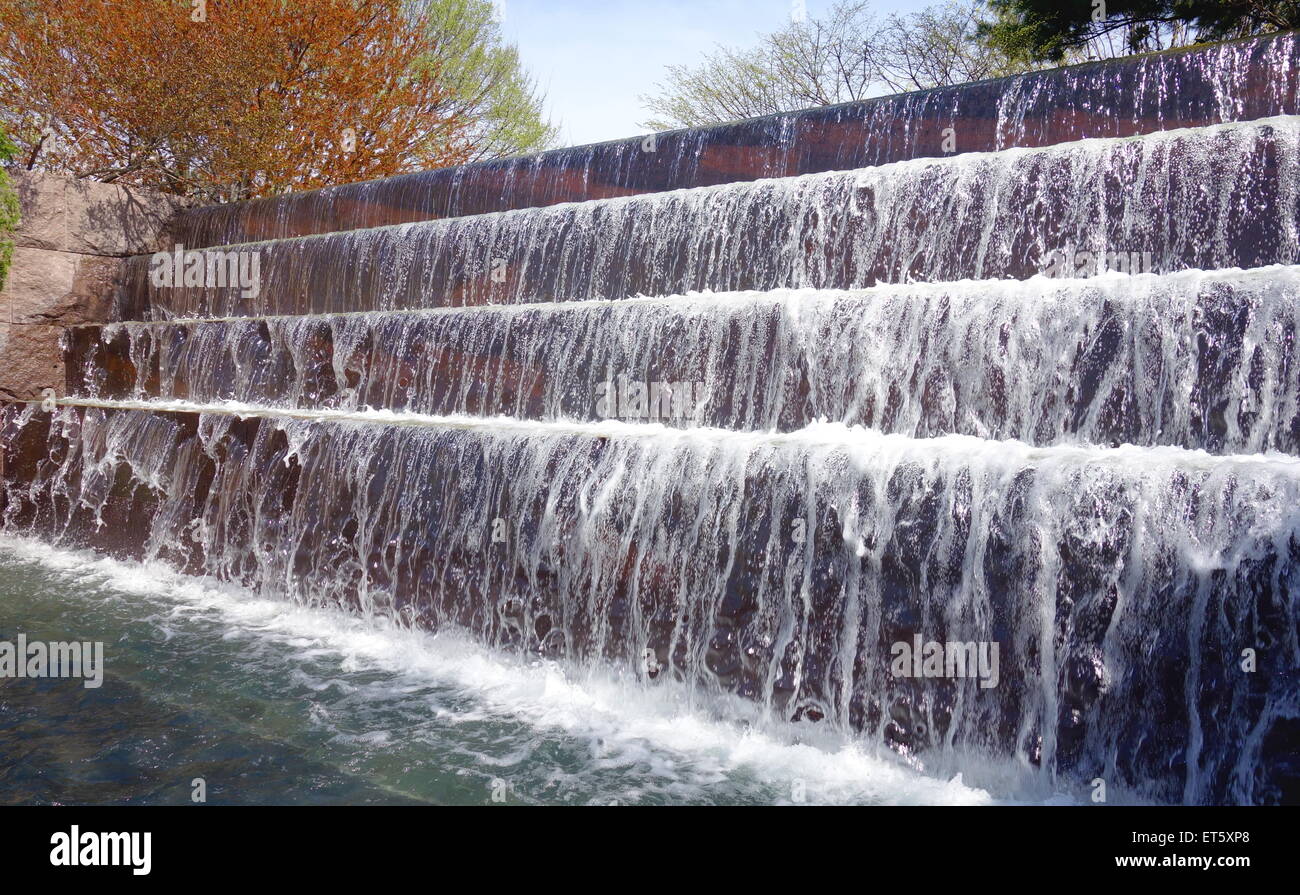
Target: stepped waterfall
<point x="747" y="427"/>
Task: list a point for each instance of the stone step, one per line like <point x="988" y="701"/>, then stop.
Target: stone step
<point x="1198" y="360"/>
<point x="783" y="569"/>
<point x="1207" y="198"/>
<point x="1234" y="81"/>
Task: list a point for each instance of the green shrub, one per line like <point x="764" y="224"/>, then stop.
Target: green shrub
<point x="8" y="208"/>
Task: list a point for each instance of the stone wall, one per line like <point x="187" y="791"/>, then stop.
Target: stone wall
<point x="67" y="258"/>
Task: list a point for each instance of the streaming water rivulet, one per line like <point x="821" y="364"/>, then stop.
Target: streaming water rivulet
<point x="1238" y="81"/>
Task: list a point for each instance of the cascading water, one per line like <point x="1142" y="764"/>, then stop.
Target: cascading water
<point x="728" y="439"/>
<point x="1168" y="201"/>
<point x="1196" y="359"/>
<point x="782" y="568"/>
<point x="1238" y="81"/>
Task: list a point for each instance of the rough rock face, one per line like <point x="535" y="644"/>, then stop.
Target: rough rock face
<point x="67" y="260"/>
<point x="89" y="218"/>
<point x="59" y="287"/>
<point x="30" y="361"/>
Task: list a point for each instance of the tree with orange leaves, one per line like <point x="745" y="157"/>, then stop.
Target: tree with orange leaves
<point x="228" y="99"/>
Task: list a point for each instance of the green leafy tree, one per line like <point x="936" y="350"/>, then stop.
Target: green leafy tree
<point x="1068" y="30"/>
<point x="489" y="86"/>
<point x="8" y="208"/>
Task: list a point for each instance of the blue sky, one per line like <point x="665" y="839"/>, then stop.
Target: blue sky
<point x="595" y="57"/>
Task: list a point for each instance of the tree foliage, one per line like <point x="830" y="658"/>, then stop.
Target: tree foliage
<point x="1065" y="30"/>
<point x="845" y="56"/>
<point x="246" y="98"/>
<point x="9" y="210"/>
<point x="490" y="89"/>
<point x="939" y="46"/>
<point x="813" y="63"/>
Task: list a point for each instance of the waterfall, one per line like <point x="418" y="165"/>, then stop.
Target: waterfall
<point x="1197" y="359"/>
<point x="780" y="567"/>
<point x="1239" y="81"/>
<point x="976" y="216"/>
<point x="779" y="432"/>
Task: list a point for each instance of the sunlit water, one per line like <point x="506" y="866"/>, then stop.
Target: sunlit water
<point x="268" y="702"/>
<point x="893" y="414"/>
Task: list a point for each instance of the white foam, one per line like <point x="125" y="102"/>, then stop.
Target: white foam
<point x="657" y="726"/>
<point x="862" y="441"/>
<point x="1040" y="287"/>
<point x="863" y="176"/>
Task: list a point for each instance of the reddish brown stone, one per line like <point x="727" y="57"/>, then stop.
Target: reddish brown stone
<point x="31" y="360"/>
<point x="84" y="217"/>
<point x="51" y="287"/>
<point x="1115" y="98"/>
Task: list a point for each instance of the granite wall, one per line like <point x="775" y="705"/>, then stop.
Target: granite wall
<point x="67" y="259"/>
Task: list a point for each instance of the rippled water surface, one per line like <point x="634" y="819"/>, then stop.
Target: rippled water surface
<point x="270" y="703"/>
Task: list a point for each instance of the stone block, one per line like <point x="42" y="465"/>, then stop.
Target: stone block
<point x="49" y="287"/>
<point x="31" y="360"/>
<point x="90" y="218"/>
